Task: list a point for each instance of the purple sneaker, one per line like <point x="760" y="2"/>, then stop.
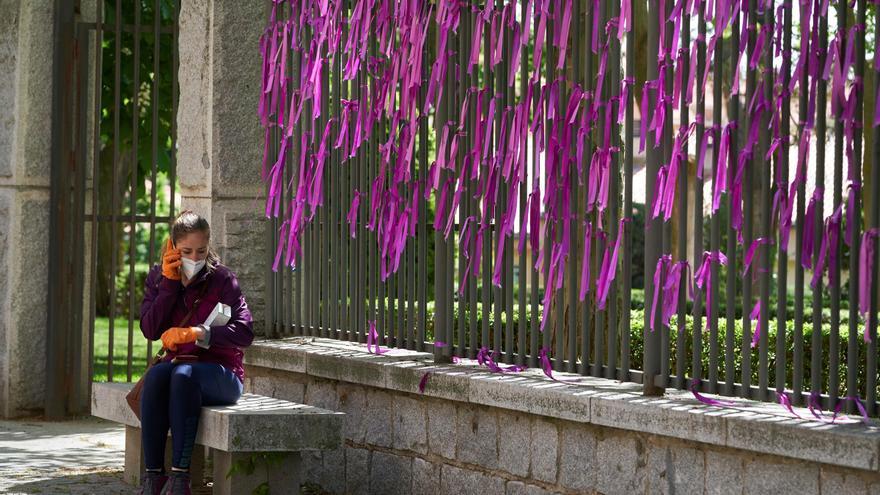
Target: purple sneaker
<point x="152" y="483"/>
<point x="178" y="484"/>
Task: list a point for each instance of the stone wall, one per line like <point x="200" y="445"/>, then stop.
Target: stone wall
<point x="398" y="440"/>
<point x="25" y="123"/>
<point x="220" y="141"/>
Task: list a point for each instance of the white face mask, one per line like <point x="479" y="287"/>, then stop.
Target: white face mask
<point x="190" y="267"/>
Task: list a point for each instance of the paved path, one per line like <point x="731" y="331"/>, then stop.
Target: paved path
<point x="80" y="457"/>
<point x="77" y="457"/>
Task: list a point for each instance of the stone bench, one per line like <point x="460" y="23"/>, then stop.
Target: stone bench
<point x="255" y="424"/>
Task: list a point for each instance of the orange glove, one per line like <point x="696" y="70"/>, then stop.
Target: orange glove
<point x="171" y="262"/>
<point x="178" y="335"/>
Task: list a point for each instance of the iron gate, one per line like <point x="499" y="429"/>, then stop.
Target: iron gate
<point x="113" y="186"/>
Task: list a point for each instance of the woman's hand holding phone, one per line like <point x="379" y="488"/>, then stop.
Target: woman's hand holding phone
<point x="171" y="262"/>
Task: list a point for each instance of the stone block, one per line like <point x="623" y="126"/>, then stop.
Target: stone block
<point x="322" y="393"/>
<point x="365" y="370"/>
<point x="237" y="138"/>
<point x="426" y="477"/>
<point x="34" y="105"/>
<point x="836" y="482"/>
<point x="668" y="416"/>
<point x="441" y="428"/>
<point x="445" y="382"/>
<point x="377" y="418"/>
<point x="277" y="355"/>
<point x="621" y="465"/>
<point x="194" y="116"/>
<point x="390" y="474"/>
<point x="28" y="298"/>
<point x="278" y="475"/>
<point x="357" y="471"/>
<point x="9" y="22"/>
<point x="520" y="488"/>
<point x="352" y="402"/>
<point x="514" y="449"/>
<point x="456" y="481"/>
<point x="767" y="475"/>
<point x="544" y="447"/>
<point x="847" y="445"/>
<point x="577" y="469"/>
<point x="477" y="436"/>
<point x="724" y="473"/>
<point x="273" y="385"/>
<point x="675" y="470"/>
<point x="333" y="472"/>
<point x="531" y="393"/>
<point x="410" y="425"/>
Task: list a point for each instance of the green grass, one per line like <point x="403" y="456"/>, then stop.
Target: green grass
<point x="120" y="350"/>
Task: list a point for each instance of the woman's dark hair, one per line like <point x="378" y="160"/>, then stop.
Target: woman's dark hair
<point x="186" y="223"/>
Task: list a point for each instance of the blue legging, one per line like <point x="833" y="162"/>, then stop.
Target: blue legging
<point x="173" y="395"/>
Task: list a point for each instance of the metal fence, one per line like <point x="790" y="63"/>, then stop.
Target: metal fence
<point x="487" y="274"/>
<point x="113" y="186"/>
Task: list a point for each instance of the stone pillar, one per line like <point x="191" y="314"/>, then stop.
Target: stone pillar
<point x="220" y="141"/>
<point x="25" y="155"/>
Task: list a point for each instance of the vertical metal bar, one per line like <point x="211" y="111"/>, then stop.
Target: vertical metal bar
<point x="64" y="57"/>
<point x="78" y="399"/>
<point x="629" y="132"/>
<point x="855" y="211"/>
<point x="441" y="316"/>
<point x="361" y="258"/>
<point x="507" y="281"/>
<point x="766" y="263"/>
<point x="575" y="249"/>
<point x="559" y="296"/>
<point x="587" y="77"/>
<point x="600" y="331"/>
<point x="423" y="204"/>
<point x="114" y="195"/>
<point x="335" y="238"/>
<point x="297" y="149"/>
<point x="653" y="226"/>
<point x="700" y="119"/>
<point x="729" y="352"/>
<point x="871" y="323"/>
<point x="175" y="94"/>
<point x="837" y="197"/>
<point x="495" y="83"/>
<point x="522" y="278"/>
<point x="782" y="166"/>
<point x="325" y="221"/>
<point x="748" y="212"/>
<point x="486" y="255"/>
<point x="684" y="122"/>
<point x="533" y="265"/>
<point x="154" y="142"/>
<point x="96" y="170"/>
<point x="816" y="336"/>
<point x="474" y="208"/>
<point x="463" y="55"/>
<point x="667" y="153"/>
<point x="614" y="205"/>
<point x="798" y="338"/>
<point x="132" y="195"/>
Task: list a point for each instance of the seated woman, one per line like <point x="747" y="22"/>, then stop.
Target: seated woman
<point x="203" y="365"/>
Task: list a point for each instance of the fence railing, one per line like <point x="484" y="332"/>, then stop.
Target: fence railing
<point x="499" y="195"/>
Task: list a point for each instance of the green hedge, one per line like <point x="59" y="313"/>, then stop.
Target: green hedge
<point x="636" y="335"/>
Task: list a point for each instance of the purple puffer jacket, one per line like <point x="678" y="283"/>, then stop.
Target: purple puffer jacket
<point x="166" y="303"/>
